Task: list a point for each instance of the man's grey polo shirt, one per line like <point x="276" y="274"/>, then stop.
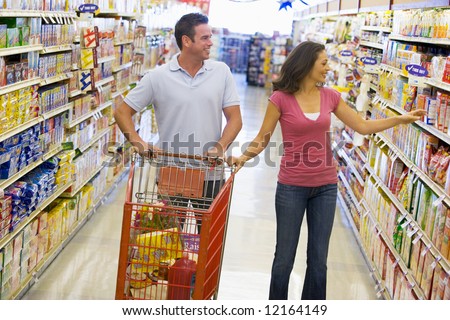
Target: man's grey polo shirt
<point x="188" y="109"/>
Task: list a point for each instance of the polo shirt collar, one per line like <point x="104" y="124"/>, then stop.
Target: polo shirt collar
<point x="174" y="65"/>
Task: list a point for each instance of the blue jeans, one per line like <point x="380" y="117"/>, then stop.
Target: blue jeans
<point x="290" y="204"/>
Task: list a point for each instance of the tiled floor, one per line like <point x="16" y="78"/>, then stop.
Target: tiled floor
<point x="87" y="267"/>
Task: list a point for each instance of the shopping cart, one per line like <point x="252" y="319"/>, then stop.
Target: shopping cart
<point x="174" y="226"/>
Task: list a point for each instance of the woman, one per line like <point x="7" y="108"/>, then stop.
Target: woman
<point x="307" y="179"/>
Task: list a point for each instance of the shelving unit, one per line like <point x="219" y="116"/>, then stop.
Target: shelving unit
<point x="13" y="285"/>
<point x="361" y="212"/>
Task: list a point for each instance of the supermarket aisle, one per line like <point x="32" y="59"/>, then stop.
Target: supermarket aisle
<point x="87" y="267"/>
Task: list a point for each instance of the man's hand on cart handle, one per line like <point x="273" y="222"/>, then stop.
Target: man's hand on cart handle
<point x="146" y="150"/>
<point x="215" y="156"/>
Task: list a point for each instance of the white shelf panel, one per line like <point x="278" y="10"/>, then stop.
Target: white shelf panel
<point x="123" y="66"/>
<point x="106" y="59"/>
<point x="20" y="128"/>
<point x="377" y="29"/>
<point x="118" y="93"/>
<point x="58" y="48"/>
<point x="57" y="78"/>
<point x="20" y="85"/>
<point x="6" y="182"/>
<point x="75" y="93"/>
<point x="20" y="13"/>
<point x="94" y="139"/>
<point x="441" y="41"/>
<point x="119" y="43"/>
<point x="372" y="44"/>
<point x="89" y="114"/>
<point x="349" y="162"/>
<point x="18" y="50"/>
<point x="52" y="113"/>
<point x="103" y="82"/>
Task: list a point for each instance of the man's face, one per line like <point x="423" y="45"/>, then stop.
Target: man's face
<point x="202" y="43"/>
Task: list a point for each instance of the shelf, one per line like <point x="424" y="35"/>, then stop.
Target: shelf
<point x="49" y="257"/>
<point x="372" y="44"/>
<point x="106" y="59"/>
<point x="376" y="28"/>
<point x="438" y="84"/>
<point x="437" y="189"/>
<point x="119" y="43"/>
<point x="350" y="191"/>
<point x="6" y="182"/>
<point x="91" y="175"/>
<point x="118" y="93"/>
<point x="20" y="13"/>
<point x="439" y="41"/>
<point x="438" y="134"/>
<point x="126" y="15"/>
<point x="349" y="162"/>
<point x="36" y="212"/>
<point x="430" y="81"/>
<point x="94" y="139"/>
<point x="406" y="215"/>
<point x="75" y="93"/>
<point x="57" y="48"/>
<point x="57" y="78"/>
<point x="361" y="154"/>
<point x="123" y="66"/>
<point x="20" y="128"/>
<point x="52" y="113"/>
<point x="52" y="153"/>
<point x="372" y="269"/>
<point x="103" y="81"/>
<point x="19" y="85"/>
<point x="19" y="50"/>
<point x="89" y="114"/>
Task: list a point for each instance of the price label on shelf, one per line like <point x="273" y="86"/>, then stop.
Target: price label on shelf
<point x="435" y="262"/>
<point x="417" y="75"/>
<point x="417" y="238"/>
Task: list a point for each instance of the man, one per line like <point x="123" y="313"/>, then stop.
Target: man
<point x="189" y="95"/>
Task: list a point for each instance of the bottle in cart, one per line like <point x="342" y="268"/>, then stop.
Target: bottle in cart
<point x="181" y="274"/>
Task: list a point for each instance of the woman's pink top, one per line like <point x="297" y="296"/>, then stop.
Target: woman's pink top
<point x="307" y="158"/>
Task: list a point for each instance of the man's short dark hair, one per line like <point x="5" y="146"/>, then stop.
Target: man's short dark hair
<point x="185" y="26"/>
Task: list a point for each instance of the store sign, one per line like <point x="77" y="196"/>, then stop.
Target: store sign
<point x="416" y="70"/>
<point x="369" y="61"/>
<point x="346" y="53"/>
<point x="88" y="8"/>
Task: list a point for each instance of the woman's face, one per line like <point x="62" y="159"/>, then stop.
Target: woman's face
<point x="319" y="71"/>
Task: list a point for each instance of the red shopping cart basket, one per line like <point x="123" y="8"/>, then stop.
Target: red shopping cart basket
<point x="174" y="227"/>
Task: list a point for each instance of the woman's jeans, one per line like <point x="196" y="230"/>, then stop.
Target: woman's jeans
<point x="290" y="205"/>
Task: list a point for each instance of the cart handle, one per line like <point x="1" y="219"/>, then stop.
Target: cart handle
<point x="215" y="159"/>
<point x="129" y="192"/>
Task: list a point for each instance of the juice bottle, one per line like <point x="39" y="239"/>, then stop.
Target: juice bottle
<point x="180" y="279"/>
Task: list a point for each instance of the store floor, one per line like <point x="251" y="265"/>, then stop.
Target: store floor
<point x="87" y="267"/>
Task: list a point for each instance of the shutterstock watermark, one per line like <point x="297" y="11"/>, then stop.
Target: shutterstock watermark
<point x="304" y="155"/>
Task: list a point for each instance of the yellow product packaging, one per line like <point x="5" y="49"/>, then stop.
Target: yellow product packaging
<point x="62" y="179"/>
<point x="158" y="246"/>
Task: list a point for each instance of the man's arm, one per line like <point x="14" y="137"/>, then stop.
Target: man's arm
<point x="230" y="132"/>
<point x="123" y="115"/>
